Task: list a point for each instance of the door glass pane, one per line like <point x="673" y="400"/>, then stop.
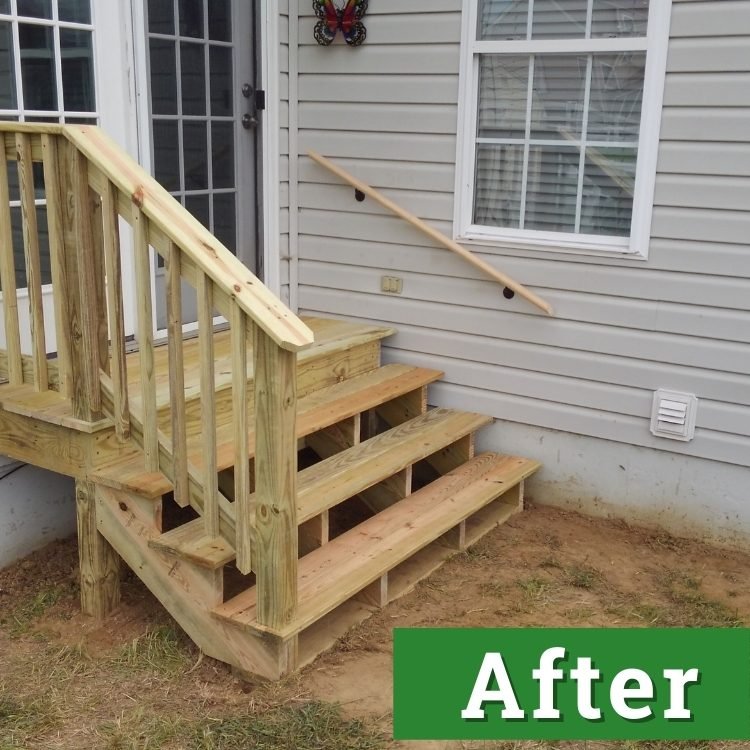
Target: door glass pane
<point x="222" y="154"/>
<point x="552" y="188"/>
<point x="193" y="72"/>
<point x="557" y="101"/>
<point x="499" y="174"/>
<point x="219" y="20"/>
<point x="613" y="18"/>
<point x="608" y="187"/>
<point x="161" y="16"/>
<point x="77" y="70"/>
<point x="77" y="11"/>
<point x="225" y="220"/>
<point x="35" y="8"/>
<point x="503" y="91"/>
<point x="198" y="205"/>
<point x="616" y="96"/>
<point x="163" y="66"/>
<point x="167" y="154"/>
<point x="191" y="18"/>
<point x="37" y="66"/>
<point x="195" y="140"/>
<point x="559" y="19"/>
<point x="7" y="69"/>
<point x="220" y="61"/>
<point x="503" y="19"/>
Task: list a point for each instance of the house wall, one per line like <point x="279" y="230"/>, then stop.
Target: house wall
<point x="574" y="391"/>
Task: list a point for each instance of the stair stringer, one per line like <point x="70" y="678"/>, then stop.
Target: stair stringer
<point x="188" y="592"/>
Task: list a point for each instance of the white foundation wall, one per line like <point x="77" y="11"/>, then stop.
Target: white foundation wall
<point x="36" y="508"/>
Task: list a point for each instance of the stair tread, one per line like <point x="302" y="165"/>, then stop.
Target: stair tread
<point x="335" y="479"/>
<point x="348" y="473"/>
<point x="190" y="542"/>
<point x="315" y="411"/>
<point x="335" y="572"/>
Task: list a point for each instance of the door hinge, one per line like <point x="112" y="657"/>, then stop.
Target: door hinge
<point x="260" y="99"/>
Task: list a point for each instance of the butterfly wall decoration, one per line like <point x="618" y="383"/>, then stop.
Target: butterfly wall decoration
<point x="333" y="19"/>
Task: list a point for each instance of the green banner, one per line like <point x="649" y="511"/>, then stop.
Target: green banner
<point x="576" y="684"/>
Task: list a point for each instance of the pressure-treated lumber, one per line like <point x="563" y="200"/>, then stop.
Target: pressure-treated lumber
<point x="191" y="543"/>
<point x="433" y="233"/>
<point x="99" y="563"/>
<point x="346" y="565"/>
<point x="14" y="366"/>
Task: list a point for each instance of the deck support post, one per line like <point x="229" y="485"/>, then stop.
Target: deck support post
<point x="99" y="563"/>
<point x="275" y="481"/>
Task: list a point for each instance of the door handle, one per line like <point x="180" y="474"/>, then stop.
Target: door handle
<point x="249" y="121"/>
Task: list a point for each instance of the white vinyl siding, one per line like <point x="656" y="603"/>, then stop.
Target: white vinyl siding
<point x="388" y="111"/>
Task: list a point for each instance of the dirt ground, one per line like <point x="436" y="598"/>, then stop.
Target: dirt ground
<point x="136" y="683"/>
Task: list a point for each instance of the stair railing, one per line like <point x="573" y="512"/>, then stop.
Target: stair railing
<point x="433" y="233"/>
<point x="89" y="185"/>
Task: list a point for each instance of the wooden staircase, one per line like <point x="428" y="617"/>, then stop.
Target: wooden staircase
<point x="272" y="483"/>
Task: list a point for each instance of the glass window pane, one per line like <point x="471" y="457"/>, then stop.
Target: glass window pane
<point x="612" y="18"/>
<point x="35" y="8"/>
<point x="163" y="67"/>
<point x="198" y="206"/>
<point x="7" y="69"/>
<point x="37" y="66"/>
<point x="220" y="20"/>
<point x="220" y="61"/>
<point x="195" y="146"/>
<point x="77" y="11"/>
<point x="552" y="188"/>
<point x="161" y="16"/>
<point x="616" y="96"/>
<point x="503" y="19"/>
<point x="225" y="220"/>
<point x="77" y="70"/>
<point x="557" y="101"/>
<point x="608" y="186"/>
<point x="4" y="6"/>
<point x="503" y="92"/>
<point x="193" y="69"/>
<point x="191" y="18"/>
<point x="497" y="193"/>
<point x="222" y="154"/>
<point x="166" y="154"/>
<point x="559" y="19"/>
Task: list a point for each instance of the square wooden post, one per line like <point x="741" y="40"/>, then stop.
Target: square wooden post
<point x="99" y="563"/>
<point x="275" y="481"/>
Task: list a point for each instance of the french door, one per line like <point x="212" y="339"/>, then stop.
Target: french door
<point x="203" y="121"/>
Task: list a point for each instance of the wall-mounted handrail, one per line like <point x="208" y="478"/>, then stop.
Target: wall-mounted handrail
<point x="436" y="235"/>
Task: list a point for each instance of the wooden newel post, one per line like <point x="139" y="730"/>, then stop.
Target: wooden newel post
<point x="276" y="481"/>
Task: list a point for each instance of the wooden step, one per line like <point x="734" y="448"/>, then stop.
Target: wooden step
<point x="336" y="479"/>
<point x="334" y="573"/>
<point x="316" y="411"/>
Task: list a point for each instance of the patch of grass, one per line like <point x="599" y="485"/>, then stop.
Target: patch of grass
<point x="140" y="730"/>
<point x="691" y="607"/>
<point x="582" y="577"/>
<point x="21" y="721"/>
<point x="535" y="588"/>
<point x="21" y="619"/>
<point x="315" y="725"/>
<point x="161" y="650"/>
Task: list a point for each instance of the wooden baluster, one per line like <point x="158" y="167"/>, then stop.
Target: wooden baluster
<point x="275" y="481"/>
<point x="60" y="292"/>
<point x="33" y="262"/>
<point x="8" y="277"/>
<point x="115" y="314"/>
<point x="98" y="273"/>
<point x="244" y="513"/>
<point x="208" y="405"/>
<point x="146" y="338"/>
<point x="177" y="376"/>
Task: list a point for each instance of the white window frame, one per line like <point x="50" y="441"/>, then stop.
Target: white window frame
<point x="637" y="245"/>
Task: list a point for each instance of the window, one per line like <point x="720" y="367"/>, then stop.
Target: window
<point x="561" y="104"/>
<point x="46" y="75"/>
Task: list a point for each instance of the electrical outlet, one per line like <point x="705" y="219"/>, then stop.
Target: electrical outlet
<point x="391" y="284"/>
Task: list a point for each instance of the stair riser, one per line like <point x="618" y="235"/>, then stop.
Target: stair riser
<point x="314" y="372"/>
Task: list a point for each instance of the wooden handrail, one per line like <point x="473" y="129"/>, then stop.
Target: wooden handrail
<point x="439" y="237"/>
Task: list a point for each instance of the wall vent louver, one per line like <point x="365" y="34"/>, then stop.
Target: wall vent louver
<point x="673" y="415"/>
